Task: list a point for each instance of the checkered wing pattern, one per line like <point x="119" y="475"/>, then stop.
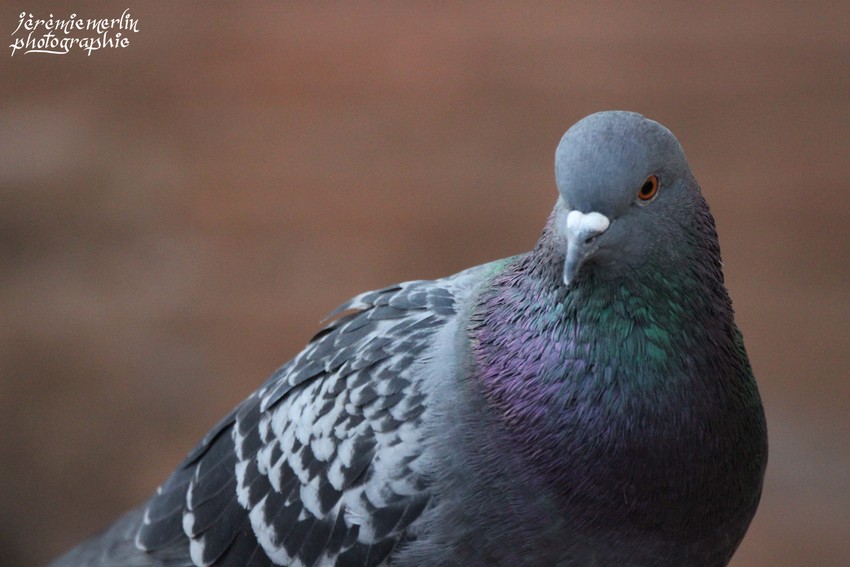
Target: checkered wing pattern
<point x="320" y="466"/>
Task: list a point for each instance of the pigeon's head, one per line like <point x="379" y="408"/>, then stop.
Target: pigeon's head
<point x="626" y="192"/>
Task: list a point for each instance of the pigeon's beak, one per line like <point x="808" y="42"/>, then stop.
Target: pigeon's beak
<point x="582" y="230"/>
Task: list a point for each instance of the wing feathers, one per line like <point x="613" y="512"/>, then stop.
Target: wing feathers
<point x="318" y="465"/>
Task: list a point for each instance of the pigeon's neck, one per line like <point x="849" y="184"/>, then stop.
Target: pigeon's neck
<point x="616" y="382"/>
<point x="630" y="332"/>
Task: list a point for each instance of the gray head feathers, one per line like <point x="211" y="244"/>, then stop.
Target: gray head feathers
<point x="603" y="160"/>
<point x="624" y="186"/>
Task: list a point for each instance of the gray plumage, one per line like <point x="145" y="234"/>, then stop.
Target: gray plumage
<point x="589" y="403"/>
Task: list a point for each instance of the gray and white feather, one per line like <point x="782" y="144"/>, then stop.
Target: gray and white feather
<point x="325" y="464"/>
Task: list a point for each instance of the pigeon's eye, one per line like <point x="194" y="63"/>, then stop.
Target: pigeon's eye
<point x="649" y="188"/>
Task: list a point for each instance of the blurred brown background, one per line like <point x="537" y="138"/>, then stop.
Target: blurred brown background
<point x="177" y="216"/>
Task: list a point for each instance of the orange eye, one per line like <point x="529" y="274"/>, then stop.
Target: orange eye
<point x="649" y="188"/>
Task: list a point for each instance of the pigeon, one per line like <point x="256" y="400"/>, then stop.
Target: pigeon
<point x="587" y="403"/>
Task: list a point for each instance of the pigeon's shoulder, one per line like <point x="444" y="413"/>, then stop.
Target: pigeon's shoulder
<point x="324" y="463"/>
